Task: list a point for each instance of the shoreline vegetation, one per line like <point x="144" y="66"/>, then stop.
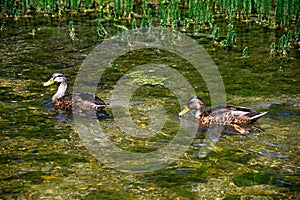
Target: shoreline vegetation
<point x="194" y="16"/>
<point x="272" y="13"/>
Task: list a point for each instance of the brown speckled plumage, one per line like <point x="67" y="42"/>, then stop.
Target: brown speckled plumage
<point x="79" y="103"/>
<point x="83" y="102"/>
<point x="222" y="115"/>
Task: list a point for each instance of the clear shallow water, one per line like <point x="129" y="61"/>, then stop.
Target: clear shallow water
<point x="43" y="157"/>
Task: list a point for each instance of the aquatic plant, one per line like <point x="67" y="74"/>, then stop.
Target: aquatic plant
<point x="272" y="51"/>
<point x="196" y="28"/>
<point x="174" y="14"/>
<point x="144" y="21"/>
<point x="279" y="11"/>
<point x="123" y="28"/>
<point x="149" y="17"/>
<point x="101" y="12"/>
<point x="245" y="52"/>
<point x="129" y="7"/>
<point x="8" y="7"/>
<point x="186" y="23"/>
<point x="266" y="8"/>
<point x="297" y="35"/>
<point x="144" y="5"/>
<point x="297" y="30"/>
<point x="72" y="31"/>
<point x="282" y="45"/>
<point x="191" y="9"/>
<point x="133" y="24"/>
<point x="100" y="30"/>
<point x="2" y="28"/>
<point x="170" y="12"/>
<point x="285" y="10"/>
<point x="32" y="32"/>
<point x="199" y="13"/>
<point x="210" y="19"/>
<point x="215" y="34"/>
<point x="162" y="14"/>
<point x="230" y="39"/>
<point x="289" y="38"/>
<point x="247" y="8"/>
<point x="118" y="7"/>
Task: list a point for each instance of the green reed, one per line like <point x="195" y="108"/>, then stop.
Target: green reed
<point x="133" y="24"/>
<point x="266" y="8"/>
<point x="144" y="5"/>
<point x="162" y="14"/>
<point x="101" y="12"/>
<point x="247" y="8"/>
<point x="129" y="7"/>
<point x="207" y="13"/>
<point x="191" y="9"/>
<point x="215" y="34"/>
<point x="245" y="52"/>
<point x="169" y="14"/>
<point x="72" y="31"/>
<point x="282" y="43"/>
<point x="2" y="27"/>
<point x="122" y="27"/>
<point x="101" y="31"/>
<point x="230" y="38"/>
<point x="289" y="37"/>
<point x="297" y="31"/>
<point x="205" y="10"/>
<point x="237" y="6"/>
<point x="272" y="51"/>
<point x="8" y="7"/>
<point x="118" y="7"/>
<point x="285" y="10"/>
<point x="144" y="21"/>
<point x="149" y="20"/>
<point x="174" y="14"/>
<point x="279" y="11"/>
<point x="24" y="6"/>
<point x="198" y="13"/>
<point x="186" y="23"/>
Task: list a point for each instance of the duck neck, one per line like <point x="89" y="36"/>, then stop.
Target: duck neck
<point x="200" y="112"/>
<point x="60" y="91"/>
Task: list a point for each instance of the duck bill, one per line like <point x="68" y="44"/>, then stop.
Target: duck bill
<point x="184" y="111"/>
<point x="50" y="82"/>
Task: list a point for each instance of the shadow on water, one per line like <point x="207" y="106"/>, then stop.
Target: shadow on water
<point x="43" y="157"/>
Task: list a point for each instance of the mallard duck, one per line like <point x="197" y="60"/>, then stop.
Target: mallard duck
<point x="82" y="102"/>
<point x="222" y="115"/>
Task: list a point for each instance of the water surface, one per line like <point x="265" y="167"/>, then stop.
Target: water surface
<point x="42" y="155"/>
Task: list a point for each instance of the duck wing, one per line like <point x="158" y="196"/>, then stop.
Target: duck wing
<point x="246" y="112"/>
<point x="80" y="102"/>
<point x="237" y="113"/>
<point x="87" y="102"/>
<point x="85" y="96"/>
<point x="235" y="110"/>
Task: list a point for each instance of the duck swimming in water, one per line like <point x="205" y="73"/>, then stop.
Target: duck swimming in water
<point x="222" y="115"/>
<point x="79" y="103"/>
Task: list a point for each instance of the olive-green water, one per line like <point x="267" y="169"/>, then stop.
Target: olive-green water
<point x="42" y="156"/>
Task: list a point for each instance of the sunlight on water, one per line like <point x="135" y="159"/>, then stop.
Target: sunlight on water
<point x="43" y="157"/>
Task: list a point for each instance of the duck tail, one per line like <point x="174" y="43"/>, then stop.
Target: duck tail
<point x="255" y="117"/>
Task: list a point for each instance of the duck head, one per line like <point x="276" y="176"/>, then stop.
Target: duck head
<point x="56" y="78"/>
<point x="194" y="103"/>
